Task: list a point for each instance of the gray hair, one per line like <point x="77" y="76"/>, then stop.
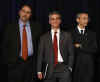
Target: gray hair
<point x="55" y="12"/>
<point x="78" y="15"/>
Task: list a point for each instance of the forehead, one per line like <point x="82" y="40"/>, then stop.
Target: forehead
<point x="55" y="15"/>
<point x="84" y="15"/>
<point x="26" y="8"/>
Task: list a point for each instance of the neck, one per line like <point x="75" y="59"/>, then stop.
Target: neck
<point x="81" y="26"/>
<point x="55" y="29"/>
<point x="24" y="22"/>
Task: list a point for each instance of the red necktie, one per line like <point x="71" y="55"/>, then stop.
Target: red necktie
<point x="24" y="44"/>
<point x="55" y="45"/>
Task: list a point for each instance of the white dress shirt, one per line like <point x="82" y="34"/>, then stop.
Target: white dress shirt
<point x="60" y="59"/>
<point x="29" y="37"/>
<point x="79" y="29"/>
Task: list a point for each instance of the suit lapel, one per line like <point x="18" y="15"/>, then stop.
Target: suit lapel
<point x="86" y="32"/>
<point x="61" y="43"/>
<point x="31" y="28"/>
<point x="18" y="39"/>
<point x="50" y="44"/>
<point x="76" y="30"/>
<point x="50" y="40"/>
<point x="32" y="33"/>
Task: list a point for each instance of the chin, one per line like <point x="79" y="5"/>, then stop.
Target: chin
<point x="56" y="26"/>
<point x="25" y="20"/>
<point x="85" y="25"/>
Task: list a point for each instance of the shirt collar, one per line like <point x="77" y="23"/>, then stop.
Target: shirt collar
<point x="52" y="30"/>
<point x="80" y="29"/>
<point x="21" y="23"/>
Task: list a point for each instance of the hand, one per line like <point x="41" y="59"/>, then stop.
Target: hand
<point x="40" y="76"/>
<point x="77" y="45"/>
<point x="70" y="69"/>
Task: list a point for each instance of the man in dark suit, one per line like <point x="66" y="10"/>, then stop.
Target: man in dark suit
<point x="55" y="55"/>
<point x="20" y="45"/>
<point x="85" y="45"/>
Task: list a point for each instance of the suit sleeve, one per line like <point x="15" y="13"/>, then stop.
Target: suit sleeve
<point x="40" y="55"/>
<point x="5" y="45"/>
<point x="71" y="51"/>
<point x="90" y="47"/>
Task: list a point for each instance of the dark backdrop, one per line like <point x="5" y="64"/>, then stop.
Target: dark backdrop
<point x="41" y="8"/>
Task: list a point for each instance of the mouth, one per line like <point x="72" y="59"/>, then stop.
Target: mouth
<point x="24" y="16"/>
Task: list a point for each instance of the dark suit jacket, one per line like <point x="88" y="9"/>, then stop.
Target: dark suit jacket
<point x="46" y="52"/>
<point x="11" y="43"/>
<point x="84" y="62"/>
<point x="88" y="41"/>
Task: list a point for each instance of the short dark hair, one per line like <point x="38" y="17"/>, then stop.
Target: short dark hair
<point x="25" y="5"/>
<point x="55" y="12"/>
<point x="78" y="14"/>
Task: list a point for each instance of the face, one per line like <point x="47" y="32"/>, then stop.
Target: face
<point x="83" y="20"/>
<point x="25" y="13"/>
<point x="55" y="20"/>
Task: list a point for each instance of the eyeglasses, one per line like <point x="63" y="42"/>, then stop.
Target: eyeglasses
<point x="27" y="12"/>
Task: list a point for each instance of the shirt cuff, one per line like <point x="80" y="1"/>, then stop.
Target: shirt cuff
<point x="39" y="72"/>
<point x="70" y="69"/>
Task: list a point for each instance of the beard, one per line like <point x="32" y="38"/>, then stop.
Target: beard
<point x="24" y="19"/>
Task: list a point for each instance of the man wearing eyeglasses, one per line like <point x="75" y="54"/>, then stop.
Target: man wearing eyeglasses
<point x="20" y="42"/>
